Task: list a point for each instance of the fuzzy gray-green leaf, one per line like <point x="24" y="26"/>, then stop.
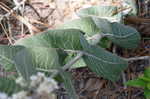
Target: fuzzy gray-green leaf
<point x="25" y="64"/>
<point x="68" y="82"/>
<point x="125" y="36"/>
<point x="59" y="38"/>
<point x="7" y="54"/>
<point x="121" y="35"/>
<point x="8" y="86"/>
<point x="106" y="12"/>
<point x="102" y="62"/>
<point x="45" y="58"/>
<point x="85" y="24"/>
<point x="45" y="47"/>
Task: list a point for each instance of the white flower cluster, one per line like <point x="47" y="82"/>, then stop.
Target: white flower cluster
<point x="41" y="85"/>
<point x="21" y="95"/>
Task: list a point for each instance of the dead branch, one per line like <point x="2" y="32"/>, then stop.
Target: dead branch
<point x="138" y="58"/>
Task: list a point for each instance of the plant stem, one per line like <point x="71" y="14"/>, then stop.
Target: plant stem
<point x="138" y="58"/>
<point x="96" y="38"/>
<point x="69" y="64"/>
<point x="73" y="61"/>
<point x="122" y="73"/>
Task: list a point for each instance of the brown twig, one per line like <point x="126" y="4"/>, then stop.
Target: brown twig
<point x="24" y="20"/>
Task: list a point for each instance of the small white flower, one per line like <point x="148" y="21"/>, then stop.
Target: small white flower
<point x="21" y="95"/>
<point x="33" y="78"/>
<point x="48" y="85"/>
<point x="37" y="79"/>
<point x="53" y="83"/>
<point x="40" y="74"/>
<point x="21" y="82"/>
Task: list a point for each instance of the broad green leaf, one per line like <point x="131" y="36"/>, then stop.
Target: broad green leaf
<point x="25" y="64"/>
<point x="45" y="58"/>
<point x="106" y="12"/>
<point x="45" y="47"/>
<point x="7" y="53"/>
<point x="60" y="38"/>
<point x="125" y="36"/>
<point x="147" y="72"/>
<point x="103" y="63"/>
<point x="85" y="24"/>
<point x="68" y="82"/>
<point x="8" y="86"/>
<point x="39" y="58"/>
<point x="103" y="24"/>
<point x="146" y="79"/>
<point x="147" y="93"/>
<point x="121" y="35"/>
<point x="136" y="83"/>
<point x="148" y="86"/>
